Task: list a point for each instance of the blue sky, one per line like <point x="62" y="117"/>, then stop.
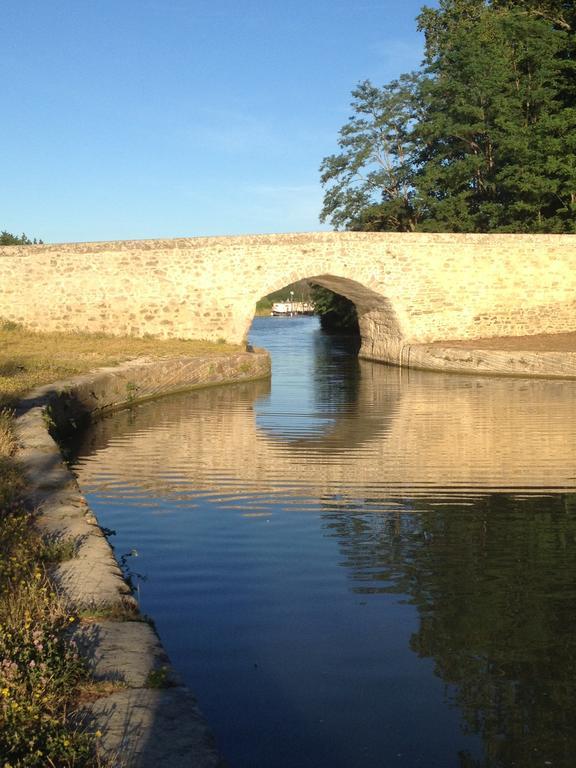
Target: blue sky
<point x="167" y="118"/>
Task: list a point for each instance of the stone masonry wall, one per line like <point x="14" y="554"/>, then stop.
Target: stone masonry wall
<point x="409" y="288"/>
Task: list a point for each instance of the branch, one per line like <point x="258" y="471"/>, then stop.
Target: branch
<point x="560" y="21"/>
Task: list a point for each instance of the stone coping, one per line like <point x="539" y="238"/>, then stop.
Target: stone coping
<point x="490" y="362"/>
<point x="302" y="238"/>
<point x="150" y="718"/>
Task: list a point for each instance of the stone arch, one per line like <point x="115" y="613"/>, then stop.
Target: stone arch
<point x="380" y="325"/>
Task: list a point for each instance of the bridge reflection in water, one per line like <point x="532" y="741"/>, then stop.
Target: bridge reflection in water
<point x="409" y="431"/>
<point x="450" y="502"/>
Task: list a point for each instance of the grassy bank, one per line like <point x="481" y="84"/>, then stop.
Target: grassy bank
<point x="28" y="359"/>
<point x="42" y="678"/>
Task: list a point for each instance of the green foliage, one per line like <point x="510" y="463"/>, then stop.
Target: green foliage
<point x="39" y="669"/>
<point x="497" y="143"/>
<point x="337" y="313"/>
<point x="264" y="306"/>
<point x="8" y="239"/>
<point x="37" y="666"/>
<point x="131" y="391"/>
<point x="57" y="550"/>
<point x="481" y="139"/>
<point x="369" y="185"/>
<point x="158" y="678"/>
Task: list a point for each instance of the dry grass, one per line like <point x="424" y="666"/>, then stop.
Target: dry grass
<point x="28" y="359"/>
<point x="7" y="443"/>
<point x="90" y="691"/>
<point x="540" y="342"/>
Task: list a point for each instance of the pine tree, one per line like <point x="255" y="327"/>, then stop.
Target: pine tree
<point x="497" y="143"/>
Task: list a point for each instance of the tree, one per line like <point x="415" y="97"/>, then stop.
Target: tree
<point x="8" y="239"/>
<point x="337" y="313"/>
<point x="497" y="143"/>
<point x="481" y="139"/>
<point x="560" y="13"/>
<point x="369" y="183"/>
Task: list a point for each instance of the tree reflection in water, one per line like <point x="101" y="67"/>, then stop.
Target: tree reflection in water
<point x="489" y="578"/>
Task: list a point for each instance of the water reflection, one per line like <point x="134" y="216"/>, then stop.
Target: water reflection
<point x="495" y="588"/>
<point x="378" y="566"/>
<point x="402" y="433"/>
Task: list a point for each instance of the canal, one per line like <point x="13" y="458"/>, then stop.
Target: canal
<point x="353" y="565"/>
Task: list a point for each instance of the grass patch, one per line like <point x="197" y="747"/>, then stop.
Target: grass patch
<point x="29" y="359"/>
<point x="263" y="308"/>
<point x="7" y="441"/>
<point x="121" y="611"/>
<point x="158" y="678"/>
<point x="92" y="691"/>
<point x="57" y="549"/>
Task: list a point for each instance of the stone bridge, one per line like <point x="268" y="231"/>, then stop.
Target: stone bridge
<point x="409" y="288"/>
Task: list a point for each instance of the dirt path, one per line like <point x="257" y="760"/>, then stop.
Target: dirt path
<point x="543" y="342"/>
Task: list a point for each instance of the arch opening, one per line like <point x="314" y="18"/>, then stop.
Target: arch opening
<point x="380" y="331"/>
<point x="296" y="297"/>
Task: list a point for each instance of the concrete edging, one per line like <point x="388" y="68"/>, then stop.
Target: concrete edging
<point x="492" y="362"/>
<point x="150" y="718"/>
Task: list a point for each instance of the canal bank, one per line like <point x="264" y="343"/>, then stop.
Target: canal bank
<point x="550" y="356"/>
<point x="148" y="716"/>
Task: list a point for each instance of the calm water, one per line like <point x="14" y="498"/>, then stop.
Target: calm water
<point x="355" y="566"/>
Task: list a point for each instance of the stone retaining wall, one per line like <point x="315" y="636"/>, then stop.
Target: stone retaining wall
<point x="150" y="719"/>
<point x="490" y="362"/>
